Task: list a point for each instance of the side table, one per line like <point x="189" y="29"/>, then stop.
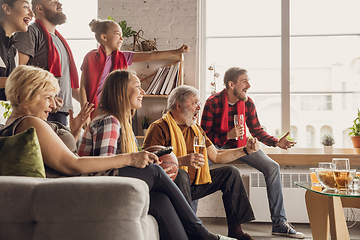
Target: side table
<point x="325" y="211"/>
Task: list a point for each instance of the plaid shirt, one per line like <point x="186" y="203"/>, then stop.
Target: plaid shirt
<point x="101" y="138"/>
<point x="211" y="122"/>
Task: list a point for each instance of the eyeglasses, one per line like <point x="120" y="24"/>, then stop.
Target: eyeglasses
<point x="196" y="104"/>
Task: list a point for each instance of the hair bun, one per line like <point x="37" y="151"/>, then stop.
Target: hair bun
<point x="93" y="24"/>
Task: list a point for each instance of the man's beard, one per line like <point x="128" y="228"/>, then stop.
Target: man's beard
<point x="56" y="18"/>
<point x="237" y="94"/>
<point x="188" y="115"/>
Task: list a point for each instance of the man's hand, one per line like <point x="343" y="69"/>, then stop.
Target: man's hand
<point x="195" y="160"/>
<point x="237" y="131"/>
<point x="184" y="48"/>
<point x="142" y="159"/>
<point x="283" y="143"/>
<point x="252" y="145"/>
<point x="58" y="104"/>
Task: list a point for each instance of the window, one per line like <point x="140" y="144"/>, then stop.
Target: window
<point x="293" y="132"/>
<point x="77" y="31"/>
<point x="323" y="61"/>
<point x="316" y="102"/>
<point x="325" y="130"/>
<point x="310" y="136"/>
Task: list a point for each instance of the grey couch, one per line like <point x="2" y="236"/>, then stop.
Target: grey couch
<point x="87" y="208"/>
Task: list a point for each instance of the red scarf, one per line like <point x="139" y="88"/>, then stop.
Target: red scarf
<point x="93" y="67"/>
<point x="224" y="127"/>
<point x="54" y="65"/>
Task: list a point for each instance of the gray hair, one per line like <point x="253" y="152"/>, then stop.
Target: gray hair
<point x="180" y="94"/>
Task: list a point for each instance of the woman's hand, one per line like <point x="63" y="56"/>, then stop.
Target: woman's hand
<point x="83" y="117"/>
<point x="143" y="159"/>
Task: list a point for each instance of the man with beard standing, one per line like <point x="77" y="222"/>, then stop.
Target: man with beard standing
<point x="43" y="46"/>
<point x="178" y="128"/>
<point x="218" y="123"/>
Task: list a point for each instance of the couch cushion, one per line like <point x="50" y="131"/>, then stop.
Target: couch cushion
<point x="79" y="208"/>
<point x="92" y="208"/>
<point x="20" y="155"/>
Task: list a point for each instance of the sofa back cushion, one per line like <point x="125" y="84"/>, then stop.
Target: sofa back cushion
<point x="81" y="208"/>
<point x="20" y="155"/>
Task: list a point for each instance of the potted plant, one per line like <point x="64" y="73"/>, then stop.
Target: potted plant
<point x="328" y="141"/>
<point x="145" y="124"/>
<point x="126" y="30"/>
<point x="355" y="133"/>
<point x="7" y="107"/>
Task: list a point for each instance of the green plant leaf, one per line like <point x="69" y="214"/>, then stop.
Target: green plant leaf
<point x="127" y="31"/>
<point x="111" y="19"/>
<point x="327" y="140"/>
<point x="355" y="129"/>
<point x="146" y="122"/>
<point x="7" y="107"/>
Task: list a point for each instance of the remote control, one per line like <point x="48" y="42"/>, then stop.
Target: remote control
<point x="164" y="151"/>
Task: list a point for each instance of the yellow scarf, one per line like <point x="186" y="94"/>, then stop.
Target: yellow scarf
<point x="179" y="145"/>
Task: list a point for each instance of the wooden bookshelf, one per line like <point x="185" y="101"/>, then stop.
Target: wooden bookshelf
<point x="153" y="105"/>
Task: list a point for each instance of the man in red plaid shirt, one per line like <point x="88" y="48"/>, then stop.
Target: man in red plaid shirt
<point x="218" y="123"/>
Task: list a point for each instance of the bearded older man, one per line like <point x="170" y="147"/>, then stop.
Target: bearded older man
<point x="43" y="46"/>
<point x="178" y="128"/>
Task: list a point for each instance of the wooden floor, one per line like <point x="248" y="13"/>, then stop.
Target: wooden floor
<point x="262" y="231"/>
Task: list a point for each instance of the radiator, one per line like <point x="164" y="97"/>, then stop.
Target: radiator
<point x="294" y="197"/>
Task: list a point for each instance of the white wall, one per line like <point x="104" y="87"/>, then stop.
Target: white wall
<point x="170" y="22"/>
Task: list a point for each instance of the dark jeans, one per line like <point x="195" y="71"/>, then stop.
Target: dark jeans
<point x="60" y="117"/>
<point x="161" y="208"/>
<point x="168" y="205"/>
<point x="228" y="180"/>
<point x="271" y="170"/>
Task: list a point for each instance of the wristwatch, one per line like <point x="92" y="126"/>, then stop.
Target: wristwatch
<point x="245" y="151"/>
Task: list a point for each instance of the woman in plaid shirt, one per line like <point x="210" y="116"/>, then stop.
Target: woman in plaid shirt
<point x="110" y="133"/>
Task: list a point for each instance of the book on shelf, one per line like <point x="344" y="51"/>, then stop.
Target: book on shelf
<point x="173" y="81"/>
<point x="167" y="79"/>
<point x="159" y="83"/>
<point x="155" y="80"/>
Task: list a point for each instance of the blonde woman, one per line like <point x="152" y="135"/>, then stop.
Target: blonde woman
<point x="31" y="92"/>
